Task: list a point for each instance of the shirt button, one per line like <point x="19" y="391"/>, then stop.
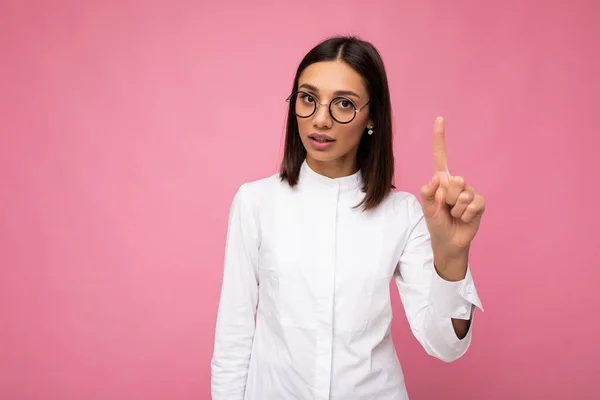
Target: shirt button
<point x="463" y="310"/>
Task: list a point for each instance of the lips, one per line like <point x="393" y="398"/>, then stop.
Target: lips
<point x="320" y="138"/>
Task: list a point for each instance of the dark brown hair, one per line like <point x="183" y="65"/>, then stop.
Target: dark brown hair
<point x="375" y="155"/>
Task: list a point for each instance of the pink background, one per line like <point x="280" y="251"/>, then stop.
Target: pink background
<point x="126" y="127"/>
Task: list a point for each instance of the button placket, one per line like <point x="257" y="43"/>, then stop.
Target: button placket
<point x="325" y="294"/>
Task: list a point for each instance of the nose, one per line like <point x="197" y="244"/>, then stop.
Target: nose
<point x="322" y="119"/>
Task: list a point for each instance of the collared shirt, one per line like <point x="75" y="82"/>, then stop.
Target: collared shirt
<point x="305" y="308"/>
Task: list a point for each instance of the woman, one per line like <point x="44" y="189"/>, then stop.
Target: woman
<point x="305" y="305"/>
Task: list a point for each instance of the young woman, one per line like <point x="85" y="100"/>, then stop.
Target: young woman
<point x="305" y="305"/>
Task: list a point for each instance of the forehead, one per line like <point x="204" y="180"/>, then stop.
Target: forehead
<point x="330" y="76"/>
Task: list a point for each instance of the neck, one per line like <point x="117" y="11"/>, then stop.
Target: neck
<point x="339" y="168"/>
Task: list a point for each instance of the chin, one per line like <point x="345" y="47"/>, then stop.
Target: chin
<point x="322" y="156"/>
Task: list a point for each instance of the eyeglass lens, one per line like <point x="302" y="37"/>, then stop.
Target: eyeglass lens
<point x="304" y="105"/>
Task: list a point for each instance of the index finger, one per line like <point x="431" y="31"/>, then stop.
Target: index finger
<point x="440" y="160"/>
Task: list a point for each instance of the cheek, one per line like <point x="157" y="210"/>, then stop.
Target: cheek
<point x="305" y="127"/>
<point x="349" y="136"/>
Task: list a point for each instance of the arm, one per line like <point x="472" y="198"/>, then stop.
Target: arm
<point x="454" y="269"/>
<point x="237" y="307"/>
<point x="438" y="310"/>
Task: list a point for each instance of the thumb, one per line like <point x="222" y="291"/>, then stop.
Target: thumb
<point x="428" y="192"/>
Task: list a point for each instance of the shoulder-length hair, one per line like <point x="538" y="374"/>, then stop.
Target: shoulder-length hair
<point x="375" y="156"/>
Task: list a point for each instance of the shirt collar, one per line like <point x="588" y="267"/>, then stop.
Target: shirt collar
<point x="343" y="183"/>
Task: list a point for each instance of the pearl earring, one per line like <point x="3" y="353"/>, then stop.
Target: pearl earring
<point x="370" y="131"/>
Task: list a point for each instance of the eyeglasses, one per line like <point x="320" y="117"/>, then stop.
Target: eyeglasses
<point x="341" y="109"/>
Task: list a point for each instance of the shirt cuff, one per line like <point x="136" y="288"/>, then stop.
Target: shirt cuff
<point x="454" y="299"/>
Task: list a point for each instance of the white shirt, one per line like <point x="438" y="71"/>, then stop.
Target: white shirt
<point x="305" y="308"/>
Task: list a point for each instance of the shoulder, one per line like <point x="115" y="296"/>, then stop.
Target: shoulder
<point x="253" y="193"/>
<point x="406" y="206"/>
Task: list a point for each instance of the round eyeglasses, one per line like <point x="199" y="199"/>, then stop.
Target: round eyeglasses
<point x="341" y="109"/>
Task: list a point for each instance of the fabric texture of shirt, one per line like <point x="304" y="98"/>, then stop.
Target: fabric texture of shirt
<point x="305" y="309"/>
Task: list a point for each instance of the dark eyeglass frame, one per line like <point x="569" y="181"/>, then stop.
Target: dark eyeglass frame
<point x="318" y="104"/>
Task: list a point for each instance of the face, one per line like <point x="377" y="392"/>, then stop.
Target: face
<point x="325" y="139"/>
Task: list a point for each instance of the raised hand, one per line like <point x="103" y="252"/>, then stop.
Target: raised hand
<point x="452" y="209"/>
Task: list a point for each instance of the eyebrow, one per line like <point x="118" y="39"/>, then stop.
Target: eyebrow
<point x="337" y="93"/>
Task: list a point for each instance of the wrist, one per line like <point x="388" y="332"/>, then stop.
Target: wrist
<point x="451" y="265"/>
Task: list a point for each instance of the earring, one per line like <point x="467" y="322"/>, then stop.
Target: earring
<point x="370" y="131"/>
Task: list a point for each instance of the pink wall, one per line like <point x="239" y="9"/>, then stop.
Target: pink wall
<point x="126" y="127"/>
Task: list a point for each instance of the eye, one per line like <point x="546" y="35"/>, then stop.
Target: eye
<point x="307" y="98"/>
<point x="344" y="103"/>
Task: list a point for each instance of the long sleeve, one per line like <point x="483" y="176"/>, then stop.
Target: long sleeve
<point x="235" y="325"/>
<point x="431" y="302"/>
